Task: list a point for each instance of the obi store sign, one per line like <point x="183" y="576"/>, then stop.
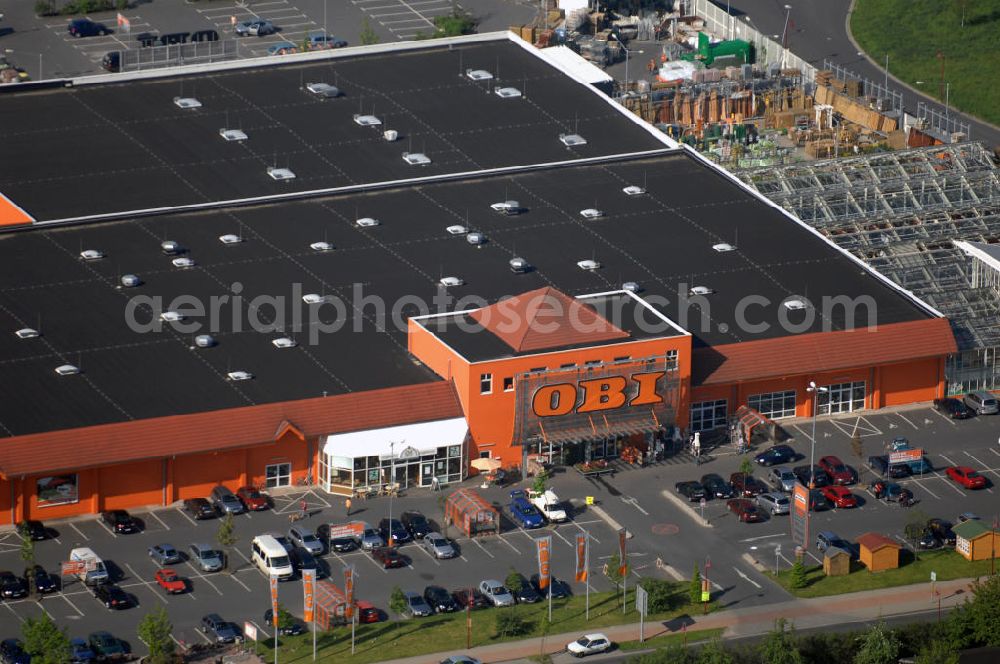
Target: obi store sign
<point x="597" y="394"/>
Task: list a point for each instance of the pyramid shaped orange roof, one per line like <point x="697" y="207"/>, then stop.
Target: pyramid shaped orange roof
<point x="545" y="318"/>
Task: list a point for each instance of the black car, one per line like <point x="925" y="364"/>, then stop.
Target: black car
<point x="388" y="557"/>
<point x="819" y="477"/>
<point x="337" y="544"/>
<point x="112" y="61"/>
<point x="111" y="596"/>
<point x="120" y="522"/>
<point x="560" y="589"/>
<point x="199" y="508"/>
<point x="716" y="487"/>
<point x="44" y="582"/>
<point x="302" y="559"/>
<point x="416" y="523"/>
<point x="84" y="27"/>
<point x="12" y="586"/>
<point x="34" y="529"/>
<point x="440" y="599"/>
<point x="106" y="646"/>
<point x="399" y="531"/>
<point x="953" y="408"/>
<point x="471" y="597"/>
<point x="928" y="539"/>
<point x="524" y="592"/>
<point x="693" y="491"/>
<point x="12" y="652"/>
<point x="942" y="529"/>
<point x="775" y="455"/>
<point x="293" y="628"/>
<point x="881" y="466"/>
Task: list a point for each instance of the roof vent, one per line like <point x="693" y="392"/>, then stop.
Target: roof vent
<point x="313" y="298"/>
<point x="475" y="238"/>
<point x="723" y="247"/>
<point x="518" y="265"/>
<point x="91" y="255"/>
<point x="233" y="134"/>
<point x="229" y="238"/>
<point x="321" y="246"/>
<point x="588" y="265"/>
<point x="572" y="140"/>
<point x="507" y="207"/>
<point x="416" y="158"/>
<point x="795" y="304"/>
<point x="591" y="213"/>
<point x="284" y="342"/>
<point x="457" y="230"/>
<point x="171" y="317"/>
<point x="631" y="287"/>
<point x="183" y="261"/>
<point x="187" y="102"/>
<point x="507" y="93"/>
<point x="280" y="174"/>
<point x="27" y="333"/>
<point x="204" y="341"/>
<point x="323" y="90"/>
<point x="478" y="74"/>
<point x="366" y="222"/>
<point x="633" y="190"/>
<point x="390" y="135"/>
<point x="451" y="281"/>
<point x="239" y="375"/>
<point x="67" y="370"/>
<point x="130" y="280"/>
<point x="169" y="247"/>
<point x="367" y="120"/>
<point x="701" y="290"/>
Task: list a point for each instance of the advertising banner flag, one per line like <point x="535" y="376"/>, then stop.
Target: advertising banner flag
<point x="544" y="545"/>
<point x="274" y="599"/>
<point x="581" y="557"/>
<point x="349" y="592"/>
<point x="308" y="594"/>
<point x="623" y="560"/>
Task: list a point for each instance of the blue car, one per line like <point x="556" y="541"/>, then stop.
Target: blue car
<point x="80" y="652"/>
<point x="525" y="514"/>
<point x="775" y="455"/>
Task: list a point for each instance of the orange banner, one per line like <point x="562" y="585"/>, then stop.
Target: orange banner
<point x="308" y="594"/>
<point x="544" y="545"/>
<point x="349" y="592"/>
<point x="582" y="554"/>
<point x="622" y="556"/>
<point x="274" y="599"/>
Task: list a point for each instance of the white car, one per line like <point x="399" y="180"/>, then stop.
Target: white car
<point x="549" y="505"/>
<point x="496" y="592"/>
<point x="588" y="644"/>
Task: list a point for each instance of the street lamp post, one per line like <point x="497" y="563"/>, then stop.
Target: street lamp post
<point x="816" y="390"/>
<point x="784" y="34"/>
<point x="627" y="53"/>
<point x="887" y="72"/>
<point x="392" y="480"/>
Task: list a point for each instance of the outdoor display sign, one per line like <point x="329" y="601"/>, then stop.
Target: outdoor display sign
<point x="349" y="592"/>
<point x="274" y="599"/>
<point x="308" y="594"/>
<point x="250" y="630"/>
<point x="905" y="456"/>
<point x="800" y="515"/>
<point x="622" y="559"/>
<point x="544" y="545"/>
<point x="352" y="529"/>
<point x="74" y="567"/>
<point x="582" y="553"/>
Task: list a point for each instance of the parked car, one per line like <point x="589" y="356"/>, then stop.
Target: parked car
<point x="496" y="592"/>
<point x="112" y="62"/>
<point x="199" y="508"/>
<point x="388" y="557"/>
<point x="254" y="28"/>
<point x="111" y="596"/>
<point x="953" y="408"/>
<point x="225" y="501"/>
<point x="371" y="539"/>
<point x="106" y="646"/>
<point x="967" y="477"/>
<point x="775" y="503"/>
<point x="12" y="586"/>
<point x="80" y="652"/>
<point x="550" y="506"/>
<point x="888" y="491"/>
<point x="693" y="491"/>
<point x="827" y="538"/>
<point x="303" y="537"/>
<point x="968" y="516"/>
<point x="744" y="510"/>
<point x="44" y="582"/>
<point x="323" y="41"/>
<point x="466" y="596"/>
<point x="560" y="589"/>
<point x="164" y="554"/>
<point x="219" y="630"/>
<point x="588" y="644"/>
<point x="416" y="523"/>
<point x="303" y="559"/>
<point x="928" y="539"/>
<point x="12" y="652"/>
<point x="524" y="514"/>
<point x="881" y="466"/>
<point x="205" y="557"/>
<point x="839" y="497"/>
<point x="438" y="546"/>
<point x="416" y="606"/>
<point x="340" y="544"/>
<point x="440" y="599"/>
<point x="84" y="27"/>
<point x="169" y="581"/>
<point x="396" y="528"/>
<point x="775" y="455"/>
<point x="460" y="659"/>
<point x="716" y="487"/>
<point x="292" y="628"/>
<point x="524" y="592"/>
<point x="746" y="486"/>
<point x="819" y="477"/>
<point x="367" y="613"/>
<point x="942" y="529"/>
<point x="838" y="471"/>
<point x="120" y="522"/>
<point x="285" y="543"/>
<point x="35" y="530"/>
<point x="282" y="48"/>
<point x="982" y="402"/>
<point x="252" y="499"/>
<point x="818" y="502"/>
<point x="782" y="479"/>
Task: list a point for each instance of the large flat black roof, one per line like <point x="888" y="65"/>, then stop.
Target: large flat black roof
<point x="111" y="147"/>
<point x="659" y="240"/>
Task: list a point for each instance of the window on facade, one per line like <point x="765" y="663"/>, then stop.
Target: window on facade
<point x="571" y="365"/>
<point x="623" y="358"/>
<point x="508" y="384"/>
<point x="536" y="370"/>
<point x="278" y="474"/>
<point x="774" y="405"/>
<point x="592" y="363"/>
<point x="671" y="358"/>
<point x="485" y="383"/>
<point x="842" y="398"/>
<point x="484" y="455"/>
<point x="707" y="415"/>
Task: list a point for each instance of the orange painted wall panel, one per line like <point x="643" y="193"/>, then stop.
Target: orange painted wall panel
<point x="131" y="485"/>
<point x="910" y="382"/>
<point x="290" y="449"/>
<point x="5" y="503"/>
<point x="88" y="503"/>
<point x="196" y="475"/>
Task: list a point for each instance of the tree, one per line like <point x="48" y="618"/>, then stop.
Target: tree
<point x="878" y="646"/>
<point x="28" y="558"/>
<point x="513" y="580"/>
<point x="797" y="575"/>
<point x="226" y="536"/>
<point x="540" y="480"/>
<point x="675" y="653"/>
<point x="715" y="653"/>
<point x="662" y="595"/>
<point x="612" y="570"/>
<point x="984" y="612"/>
<point x="746" y="466"/>
<point x="44" y="641"/>
<point x="368" y="35"/>
<point x="694" y="594"/>
<point x="397" y="601"/>
<point x="510" y="623"/>
<point x="937" y="652"/>
<point x="779" y="646"/>
<point x="454" y="24"/>
<point x="154" y="630"/>
<point x="916" y="521"/>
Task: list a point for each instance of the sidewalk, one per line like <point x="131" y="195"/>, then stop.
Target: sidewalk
<point x="803" y="613"/>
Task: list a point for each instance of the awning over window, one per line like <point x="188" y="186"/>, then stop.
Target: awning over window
<point x="424" y="438"/>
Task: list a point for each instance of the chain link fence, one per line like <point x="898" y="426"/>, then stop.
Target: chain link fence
<point x="156" y="57"/>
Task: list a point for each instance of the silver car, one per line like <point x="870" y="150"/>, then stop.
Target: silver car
<point x="205" y="557"/>
<point x="496" y="592"/>
<point x="371" y="539"/>
<point x="775" y="503"/>
<point x="416" y="605"/>
<point x="782" y="479"/>
<point x="305" y="538"/>
<point x="438" y="546"/>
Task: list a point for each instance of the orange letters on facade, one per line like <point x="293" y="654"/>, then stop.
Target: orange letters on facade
<point x="552" y="400"/>
<point x="602" y="394"/>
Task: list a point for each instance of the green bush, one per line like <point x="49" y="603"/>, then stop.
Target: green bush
<point x="46" y="7"/>
<point x="694" y="592"/>
<point x="510" y="623"/>
<point x="798" y="575"/>
<point x="663" y="595"/>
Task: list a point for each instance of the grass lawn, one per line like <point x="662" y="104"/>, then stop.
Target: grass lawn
<point x="946" y="564"/>
<point x="912" y="32"/>
<point x="665" y="640"/>
<point x="391" y="640"/>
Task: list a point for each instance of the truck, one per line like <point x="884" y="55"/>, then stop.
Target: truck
<point x="549" y="505"/>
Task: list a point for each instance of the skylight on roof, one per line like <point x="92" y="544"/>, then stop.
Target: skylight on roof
<point x="91" y="255"/>
<point x="130" y="280"/>
<point x="591" y="213"/>
<point x="323" y="90"/>
<point x="229" y="238"/>
<point x="321" y="246"/>
<point x="390" y="135"/>
<point x="170" y="247"/>
<point x="506" y="93"/>
<point x="588" y="264"/>
<point x="475" y="238"/>
<point x="631" y="287"/>
<point x="572" y="140"/>
<point x="795" y="304"/>
<point x="416" y="158"/>
<point x="284" y="342"/>
<point x="633" y="190"/>
<point x="280" y="174"/>
<point x="204" y="341"/>
<point x="233" y="134"/>
<point x="239" y="375"/>
<point x="451" y="281"/>
<point x="700" y="290"/>
<point x="366" y="222"/>
<point x="367" y="120"/>
<point x="27" y="333"/>
<point x="171" y="316"/>
<point x="518" y="265"/>
<point x="313" y="298"/>
<point x="506" y="207"/>
<point x="183" y="261"/>
<point x="67" y="370"/>
<point x="457" y="230"/>
<point x="723" y="247"/>
<point x="187" y="102"/>
<point x="478" y="74"/>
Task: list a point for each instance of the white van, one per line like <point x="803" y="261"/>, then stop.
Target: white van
<point x="94" y="573"/>
<point x="270" y="557"/>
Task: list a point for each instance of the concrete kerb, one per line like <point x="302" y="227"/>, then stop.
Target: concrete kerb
<point x="608" y="519"/>
<point x="685" y="506"/>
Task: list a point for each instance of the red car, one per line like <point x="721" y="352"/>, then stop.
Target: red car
<point x="839" y="496"/>
<point x="367" y="613"/>
<point x="967" y="477"/>
<point x="252" y="499"/>
<point x="744" y="510"/>
<point x="388" y="557"/>
<point x="837" y="470"/>
<point x="169" y="581"/>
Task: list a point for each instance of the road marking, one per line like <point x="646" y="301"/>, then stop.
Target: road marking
<point x="436" y="561"/>
<point x="80" y="532"/>
<point x="75" y="608"/>
<point x="635" y="503"/>
<point x="905" y="419"/>
<point x="197" y="573"/>
<point x="146" y="583"/>
<point x="185" y="515"/>
<point x="946" y="419"/>
<point x="204" y="636"/>
<point x="811" y="555"/>
<point x="559" y="535"/>
<point x="504" y="540"/>
<point x="11" y="609"/>
<point x="948" y="460"/>
<point x="377" y="565"/>
<point x="986" y="469"/>
<point x="762" y="537"/>
<point x="582" y="529"/>
<point x="476" y="542"/>
<point x="994" y="451"/>
<point x="153" y="514"/>
<point x="234" y="578"/>
<point x="746" y="578"/>
<point x="807" y="436"/>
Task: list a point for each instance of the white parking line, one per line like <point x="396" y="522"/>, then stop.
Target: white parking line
<point x="946" y="419"/>
<point x="146" y="583"/>
<point x="994" y="451"/>
<point x="950" y="462"/>
<point x="476" y="542"/>
<point x="197" y="573"/>
<point x="500" y="535"/>
<point x="377" y="565"/>
<point x="11" y="609"/>
<point x="236" y="579"/>
<point x="74" y="606"/>
<point x="559" y="535"/>
<point x="908" y="421"/>
<point x="185" y="515"/>
<point x="80" y="532"/>
<point x="584" y="530"/>
<point x="153" y="514"/>
<point x="436" y="561"/>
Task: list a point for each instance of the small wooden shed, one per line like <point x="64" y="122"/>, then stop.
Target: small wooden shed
<point x="836" y="562"/>
<point x="975" y="541"/>
<point x="470" y="512"/>
<point x="878" y="552"/>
